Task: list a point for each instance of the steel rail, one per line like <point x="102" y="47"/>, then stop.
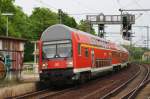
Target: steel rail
<point x="55" y="94"/>
<point x="116" y="90"/>
<point x="29" y="94"/>
<point x="134" y="92"/>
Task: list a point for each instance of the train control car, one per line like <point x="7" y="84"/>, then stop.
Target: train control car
<point x="67" y="54"/>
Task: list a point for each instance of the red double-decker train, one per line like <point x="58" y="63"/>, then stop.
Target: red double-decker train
<point x="67" y="54"/>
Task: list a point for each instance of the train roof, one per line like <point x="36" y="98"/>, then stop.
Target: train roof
<point x="61" y="32"/>
<point x="57" y="32"/>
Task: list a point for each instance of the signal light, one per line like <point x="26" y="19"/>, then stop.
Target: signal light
<point x="101" y="26"/>
<point x="129" y="27"/>
<point x="126" y="35"/>
<point x="124" y="22"/>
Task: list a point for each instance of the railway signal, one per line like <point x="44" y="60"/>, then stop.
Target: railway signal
<point x="125" y="20"/>
<point x="139" y="10"/>
<point x="126" y="26"/>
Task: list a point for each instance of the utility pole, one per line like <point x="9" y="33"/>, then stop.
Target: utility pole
<point x="147" y="37"/>
<point x="35" y="56"/>
<point x="60" y="15"/>
<point x="7" y="23"/>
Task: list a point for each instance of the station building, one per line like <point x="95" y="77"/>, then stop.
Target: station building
<point x="11" y="55"/>
<point x="146" y="56"/>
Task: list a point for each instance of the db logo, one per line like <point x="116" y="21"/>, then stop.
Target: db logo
<point x="56" y="64"/>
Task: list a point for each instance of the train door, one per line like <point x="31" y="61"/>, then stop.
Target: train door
<point x="93" y="57"/>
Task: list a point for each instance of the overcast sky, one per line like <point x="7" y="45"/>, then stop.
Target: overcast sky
<point x="77" y="7"/>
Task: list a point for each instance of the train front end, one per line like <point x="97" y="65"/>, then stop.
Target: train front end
<point x="56" y="59"/>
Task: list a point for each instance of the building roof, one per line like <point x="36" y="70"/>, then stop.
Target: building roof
<point x="13" y="38"/>
<point x="147" y="53"/>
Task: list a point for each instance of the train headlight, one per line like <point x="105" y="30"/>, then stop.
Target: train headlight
<point x="40" y="71"/>
<point x="69" y="64"/>
<point x="44" y="66"/>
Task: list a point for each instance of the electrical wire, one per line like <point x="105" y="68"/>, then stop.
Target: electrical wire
<point x="50" y="6"/>
<point x="85" y="6"/>
<point x="46" y="4"/>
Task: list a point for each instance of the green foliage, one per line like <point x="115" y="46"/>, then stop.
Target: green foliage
<point x="67" y="20"/>
<point x="41" y="19"/>
<point x="135" y="52"/>
<point x="17" y="22"/>
<point x="5" y="6"/>
<point x="84" y="26"/>
<point x="29" y="48"/>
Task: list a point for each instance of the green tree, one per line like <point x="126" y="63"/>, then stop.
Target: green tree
<point x="135" y="52"/>
<point x="29" y="48"/>
<point x="5" y="6"/>
<point x="18" y="24"/>
<point x="67" y="20"/>
<point x="84" y="26"/>
<point x="41" y="19"/>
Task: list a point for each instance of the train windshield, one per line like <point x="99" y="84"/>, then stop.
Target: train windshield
<point x="57" y="50"/>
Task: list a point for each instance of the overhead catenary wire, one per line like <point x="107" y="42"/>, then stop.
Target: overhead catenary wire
<point x="84" y="5"/>
<point x="47" y="4"/>
<point x="52" y="7"/>
<point x="135" y="2"/>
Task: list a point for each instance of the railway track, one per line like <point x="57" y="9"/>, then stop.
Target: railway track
<point x="95" y="88"/>
<point x="132" y="94"/>
<point x="29" y="95"/>
<point x="42" y="94"/>
<point x="123" y="92"/>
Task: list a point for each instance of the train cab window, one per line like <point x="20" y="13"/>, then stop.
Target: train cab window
<point x="57" y="49"/>
<point x="86" y="52"/>
<point x="79" y="49"/>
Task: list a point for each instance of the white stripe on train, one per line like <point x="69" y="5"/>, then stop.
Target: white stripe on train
<point x="78" y="70"/>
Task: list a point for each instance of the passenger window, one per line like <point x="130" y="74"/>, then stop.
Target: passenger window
<point x="86" y="52"/>
<point x="79" y="49"/>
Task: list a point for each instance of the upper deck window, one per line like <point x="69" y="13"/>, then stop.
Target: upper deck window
<point x="86" y="52"/>
<point x="79" y="49"/>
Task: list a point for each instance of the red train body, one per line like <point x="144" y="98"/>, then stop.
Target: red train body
<point x="69" y="54"/>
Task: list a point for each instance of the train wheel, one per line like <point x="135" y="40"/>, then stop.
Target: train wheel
<point x="82" y="78"/>
<point x="116" y="68"/>
<point x="2" y="70"/>
<point x="88" y="76"/>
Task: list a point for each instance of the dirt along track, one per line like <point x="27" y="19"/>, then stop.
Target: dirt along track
<point x="94" y="89"/>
